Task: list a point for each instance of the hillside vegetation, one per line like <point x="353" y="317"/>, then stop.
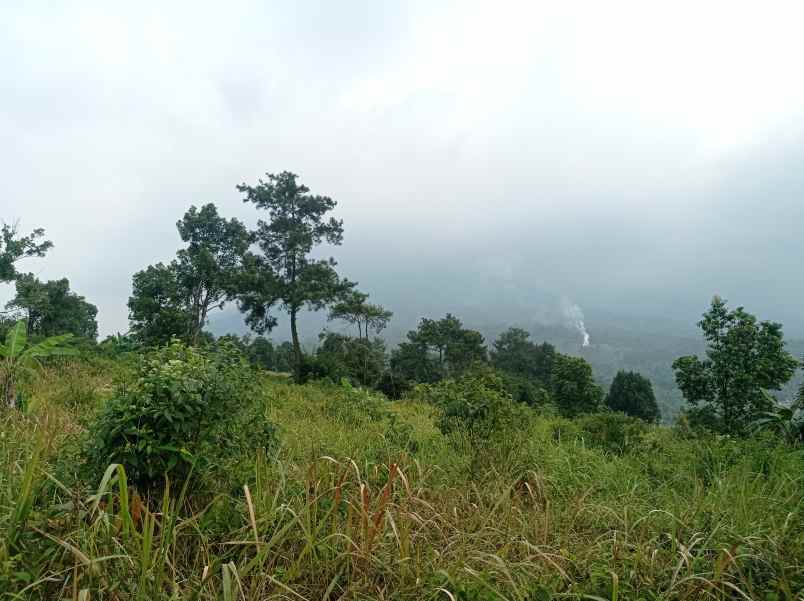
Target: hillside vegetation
<point x="170" y="464"/>
<point x="352" y="496"/>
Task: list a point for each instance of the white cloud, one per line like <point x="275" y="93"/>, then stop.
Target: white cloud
<point x="437" y="121"/>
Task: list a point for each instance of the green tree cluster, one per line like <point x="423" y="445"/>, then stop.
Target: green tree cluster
<point x="51" y="308"/>
<point x="174" y="300"/>
<point x="632" y="394"/>
<point x="437" y="349"/>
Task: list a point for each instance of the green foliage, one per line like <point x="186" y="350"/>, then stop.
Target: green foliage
<point x="158" y="306"/>
<point x="17" y="358"/>
<point x="52" y="309"/>
<point x="525" y="390"/>
<point x="515" y="354"/>
<point x="612" y="432"/>
<point x="343" y="510"/>
<point x="743" y="358"/>
<point x="283" y="357"/>
<point x="354" y="309"/>
<point x="209" y="268"/>
<point x="351" y="405"/>
<point x="180" y="402"/>
<point x="786" y="422"/>
<point x="573" y="386"/>
<point x="437" y="349"/>
<point x="401" y="435"/>
<point x="118" y="345"/>
<point x="360" y="360"/>
<point x="14" y="247"/>
<point x="410" y="363"/>
<point x="260" y="351"/>
<point x="286" y="274"/>
<point x="174" y="300"/>
<point x="476" y="403"/>
<point x="632" y="394"/>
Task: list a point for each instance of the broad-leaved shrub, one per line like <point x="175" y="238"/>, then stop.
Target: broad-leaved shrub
<point x="181" y="401"/>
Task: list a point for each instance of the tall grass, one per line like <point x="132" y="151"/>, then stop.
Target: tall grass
<point x="343" y="511"/>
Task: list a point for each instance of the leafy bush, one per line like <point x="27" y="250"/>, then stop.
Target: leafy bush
<point x="180" y="401"/>
<point x="393" y="385"/>
<point x="476" y="404"/>
<point x="612" y="432"/>
<point x="351" y="405"/>
<point x="694" y="421"/>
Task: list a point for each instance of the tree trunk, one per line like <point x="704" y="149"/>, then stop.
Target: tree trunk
<point x="297" y="354"/>
<point x="200" y="321"/>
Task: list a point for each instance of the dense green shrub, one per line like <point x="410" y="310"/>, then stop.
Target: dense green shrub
<point x="351" y="405"/>
<point x="476" y="404"/>
<point x="180" y="401"/>
<point x="612" y="432"/>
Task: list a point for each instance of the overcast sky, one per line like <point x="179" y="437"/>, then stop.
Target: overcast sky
<point x="634" y="157"/>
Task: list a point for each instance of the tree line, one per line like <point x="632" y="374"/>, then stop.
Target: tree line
<point x="277" y="268"/>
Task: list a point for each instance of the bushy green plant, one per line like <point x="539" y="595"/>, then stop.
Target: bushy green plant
<point x="612" y="432"/>
<point x="351" y="405"/>
<point x="476" y="404"/>
<point x="179" y="402"/>
<point x="745" y="358"/>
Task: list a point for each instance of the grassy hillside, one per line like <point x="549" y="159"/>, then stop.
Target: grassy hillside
<point x="366" y="499"/>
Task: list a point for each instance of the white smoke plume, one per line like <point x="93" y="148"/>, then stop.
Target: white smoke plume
<point x="574" y="316"/>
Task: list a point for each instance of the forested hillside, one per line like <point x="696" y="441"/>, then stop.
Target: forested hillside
<point x="618" y="344"/>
